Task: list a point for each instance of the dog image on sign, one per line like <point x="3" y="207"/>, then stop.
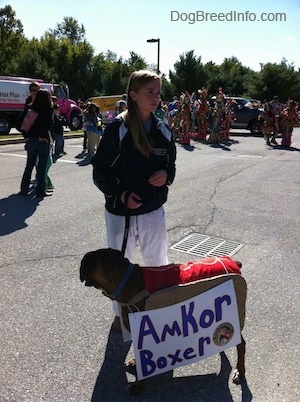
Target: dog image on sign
<point x="186" y="332"/>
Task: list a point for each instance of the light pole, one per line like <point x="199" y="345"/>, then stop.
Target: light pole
<point x="158" y="50"/>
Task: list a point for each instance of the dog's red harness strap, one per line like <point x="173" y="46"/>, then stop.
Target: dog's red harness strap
<point x="156" y="278"/>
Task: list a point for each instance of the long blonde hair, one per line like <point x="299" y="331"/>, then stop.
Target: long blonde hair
<point x="138" y="80"/>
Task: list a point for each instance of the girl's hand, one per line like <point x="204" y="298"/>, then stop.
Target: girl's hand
<point x="131" y="200"/>
<point x="158" y="178"/>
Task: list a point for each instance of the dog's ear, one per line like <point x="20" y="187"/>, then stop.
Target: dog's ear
<point x="112" y="265"/>
<point x="87" y="266"/>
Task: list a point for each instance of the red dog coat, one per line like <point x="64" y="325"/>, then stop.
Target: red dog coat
<point x="157" y="278"/>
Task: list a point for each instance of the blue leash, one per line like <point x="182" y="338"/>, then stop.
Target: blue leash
<point x="123" y="282"/>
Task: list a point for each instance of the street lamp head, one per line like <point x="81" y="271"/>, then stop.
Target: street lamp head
<point x="158" y="46"/>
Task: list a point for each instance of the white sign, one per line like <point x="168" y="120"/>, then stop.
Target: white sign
<point x="186" y="332"/>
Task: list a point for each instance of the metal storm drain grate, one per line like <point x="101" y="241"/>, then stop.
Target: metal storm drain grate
<point x="205" y="246"/>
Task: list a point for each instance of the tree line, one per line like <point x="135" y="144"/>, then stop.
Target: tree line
<point x="63" y="54"/>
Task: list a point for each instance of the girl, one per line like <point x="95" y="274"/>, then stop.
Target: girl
<point x="133" y="167"/>
<point x="93" y="137"/>
<point x="57" y="131"/>
<point x="38" y="143"/>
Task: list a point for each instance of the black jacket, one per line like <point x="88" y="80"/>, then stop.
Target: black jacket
<point x="118" y="166"/>
<point x="58" y="123"/>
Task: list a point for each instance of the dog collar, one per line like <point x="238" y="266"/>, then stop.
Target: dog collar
<point x="123" y="282"/>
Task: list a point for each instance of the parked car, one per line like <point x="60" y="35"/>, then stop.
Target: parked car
<point x="246" y="114"/>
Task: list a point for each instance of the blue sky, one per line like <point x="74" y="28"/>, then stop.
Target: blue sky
<point x="125" y="25"/>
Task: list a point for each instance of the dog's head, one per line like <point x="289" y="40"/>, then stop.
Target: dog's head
<point x="102" y="268"/>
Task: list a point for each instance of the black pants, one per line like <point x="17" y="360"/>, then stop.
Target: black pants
<point x="84" y="140"/>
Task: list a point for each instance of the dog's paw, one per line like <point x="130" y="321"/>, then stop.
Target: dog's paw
<point x="238" y="377"/>
<point x="135" y="388"/>
<point x="130" y="367"/>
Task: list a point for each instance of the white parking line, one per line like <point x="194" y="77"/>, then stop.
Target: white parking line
<point x="7" y="154"/>
<point x="65" y="161"/>
<point x="25" y="156"/>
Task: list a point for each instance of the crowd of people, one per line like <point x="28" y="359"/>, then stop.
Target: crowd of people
<point x="42" y="126"/>
<point x="196" y="117"/>
<point x="188" y="117"/>
<point x="93" y="125"/>
<point x="278" y="118"/>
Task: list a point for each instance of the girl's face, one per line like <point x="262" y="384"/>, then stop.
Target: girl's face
<point x="147" y="98"/>
<point x="33" y="91"/>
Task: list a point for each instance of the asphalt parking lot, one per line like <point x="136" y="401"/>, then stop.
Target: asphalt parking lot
<point x="56" y="339"/>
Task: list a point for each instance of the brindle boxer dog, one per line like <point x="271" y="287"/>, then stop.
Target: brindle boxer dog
<point x="108" y="270"/>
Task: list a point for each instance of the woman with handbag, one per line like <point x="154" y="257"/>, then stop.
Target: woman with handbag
<point x="37" y="141"/>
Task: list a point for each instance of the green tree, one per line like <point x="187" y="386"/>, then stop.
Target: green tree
<point x="110" y="74"/>
<point x="111" y="56"/>
<point x="213" y="77"/>
<point x="135" y="62"/>
<point x="189" y="73"/>
<point x="167" y="89"/>
<point x="275" y="79"/>
<point x="68" y="62"/>
<point x="29" y="62"/>
<point x="101" y="70"/>
<point x="232" y="76"/>
<point x="11" y="38"/>
<point x="113" y="83"/>
<point x="70" y="29"/>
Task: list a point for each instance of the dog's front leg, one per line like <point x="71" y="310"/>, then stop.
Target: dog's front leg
<point x="136" y="387"/>
<point x="239" y="372"/>
<point x="130" y="367"/>
<point x="125" y="318"/>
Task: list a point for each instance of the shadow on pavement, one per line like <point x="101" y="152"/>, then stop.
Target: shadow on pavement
<point x="278" y="146"/>
<point x="85" y="159"/>
<point x="112" y="381"/>
<point x="14" y="210"/>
